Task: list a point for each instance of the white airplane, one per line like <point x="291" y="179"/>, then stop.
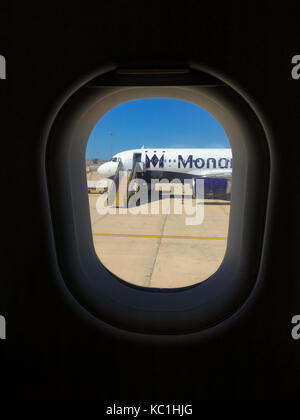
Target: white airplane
<point x="170" y="164"/>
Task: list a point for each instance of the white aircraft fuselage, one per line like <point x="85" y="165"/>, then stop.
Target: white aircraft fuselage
<point x="173" y="163"/>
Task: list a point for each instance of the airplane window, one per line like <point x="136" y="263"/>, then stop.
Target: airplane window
<point x="154" y="226"/>
<point x="148" y="226"/>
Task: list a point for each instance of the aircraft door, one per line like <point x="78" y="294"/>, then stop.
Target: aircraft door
<point x="137" y="159"/>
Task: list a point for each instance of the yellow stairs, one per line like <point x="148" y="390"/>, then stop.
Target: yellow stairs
<point x="122" y="189"/>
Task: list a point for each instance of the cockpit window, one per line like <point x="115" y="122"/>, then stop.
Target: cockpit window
<point x="114" y="159"/>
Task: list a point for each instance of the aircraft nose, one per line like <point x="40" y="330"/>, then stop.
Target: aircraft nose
<point x="108" y="169"/>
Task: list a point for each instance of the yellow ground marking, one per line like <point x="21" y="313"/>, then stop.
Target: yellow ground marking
<point x="127" y="235"/>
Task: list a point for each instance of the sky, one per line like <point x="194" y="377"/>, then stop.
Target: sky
<point x="154" y="123"/>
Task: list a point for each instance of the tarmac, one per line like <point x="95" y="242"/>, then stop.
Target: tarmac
<point x="161" y="250"/>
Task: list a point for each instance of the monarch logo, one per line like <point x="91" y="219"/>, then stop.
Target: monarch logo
<point x="2" y="67"/>
<point x="2" y="328"/>
<point x="199" y="163"/>
<point x="155" y="160"/>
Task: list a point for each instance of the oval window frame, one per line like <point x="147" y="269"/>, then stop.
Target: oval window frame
<point x="116" y="303"/>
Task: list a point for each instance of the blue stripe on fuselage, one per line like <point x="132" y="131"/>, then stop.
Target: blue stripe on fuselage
<point x="209" y="183"/>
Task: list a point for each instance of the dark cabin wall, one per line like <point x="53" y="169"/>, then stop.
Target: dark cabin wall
<point x="50" y="351"/>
